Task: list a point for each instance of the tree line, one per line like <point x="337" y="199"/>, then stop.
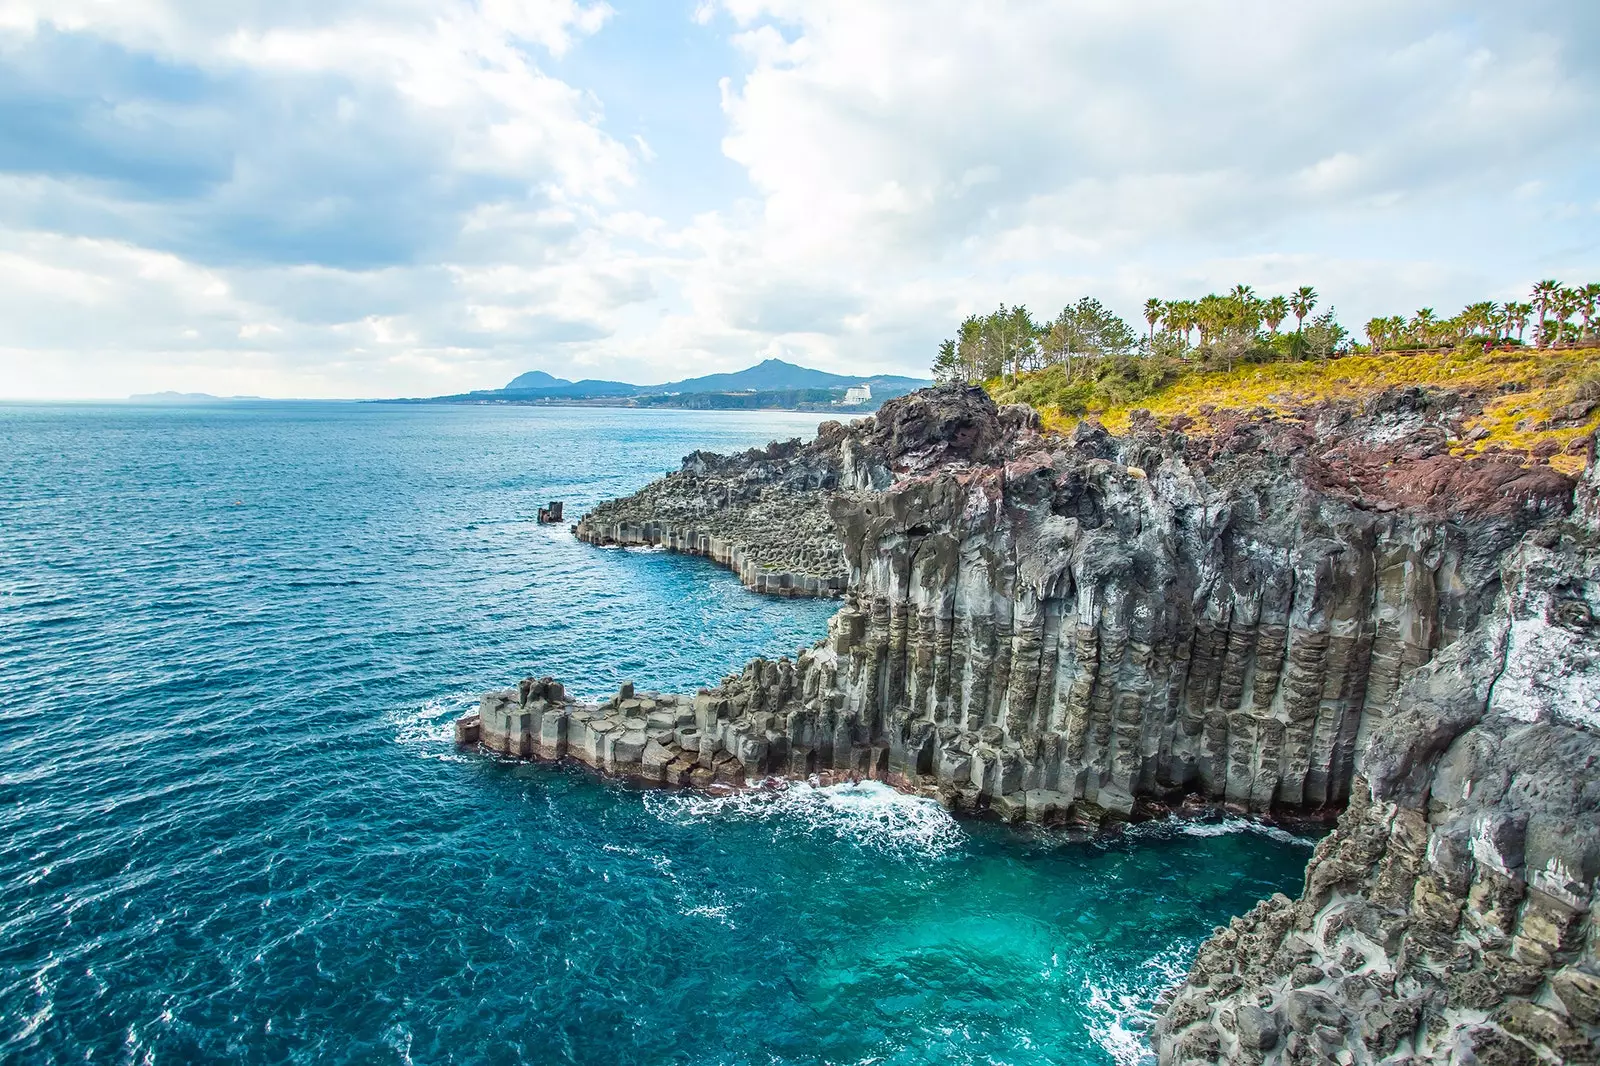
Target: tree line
<point x="1216" y="328"/>
<point x="1221" y="329"/>
<point x="1550" y="309"/>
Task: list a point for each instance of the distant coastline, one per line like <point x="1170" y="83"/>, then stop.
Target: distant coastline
<point x="769" y="385"/>
<point x="172" y="397"/>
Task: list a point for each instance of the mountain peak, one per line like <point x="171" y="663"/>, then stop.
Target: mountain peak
<point x="537" y="379"/>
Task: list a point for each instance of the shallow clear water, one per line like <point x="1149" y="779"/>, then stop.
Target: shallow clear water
<point x="232" y="826"/>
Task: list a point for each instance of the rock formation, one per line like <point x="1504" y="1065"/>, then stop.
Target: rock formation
<point x="760" y="514"/>
<point x="1285" y="614"/>
<point x="1032" y="625"/>
<point x="1450" y="917"/>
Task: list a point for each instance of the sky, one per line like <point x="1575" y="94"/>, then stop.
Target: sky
<point x="354" y="198"/>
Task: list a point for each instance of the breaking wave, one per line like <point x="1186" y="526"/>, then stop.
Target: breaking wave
<point x="870" y="815"/>
<point x="1229" y="826"/>
<point x="1120" y="1006"/>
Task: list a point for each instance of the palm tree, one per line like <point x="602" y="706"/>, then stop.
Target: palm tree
<point x="1565" y="303"/>
<point x="1377" y="332"/>
<point x="1479" y="316"/>
<point x="1588" y="298"/>
<point x="1544" y="295"/>
<point x="1422" y="326"/>
<point x="1188" y="316"/>
<point x="1211" y="315"/>
<point x="1274" y="311"/>
<point x="1301" y="302"/>
<point x="1498" y="320"/>
<point x="1517" y="317"/>
<point x="1153" y="310"/>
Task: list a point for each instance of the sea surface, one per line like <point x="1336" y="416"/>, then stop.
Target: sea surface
<point x="233" y="826"/>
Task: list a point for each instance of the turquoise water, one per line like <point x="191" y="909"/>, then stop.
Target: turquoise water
<point x="232" y="826"/>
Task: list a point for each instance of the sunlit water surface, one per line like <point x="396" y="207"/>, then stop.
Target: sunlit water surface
<point x="232" y="825"/>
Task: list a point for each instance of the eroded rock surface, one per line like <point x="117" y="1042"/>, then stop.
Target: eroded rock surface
<point x="1450" y="917"/>
<point x="761" y="514"/>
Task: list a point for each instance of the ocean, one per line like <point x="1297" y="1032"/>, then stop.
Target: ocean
<point x="233" y="826"/>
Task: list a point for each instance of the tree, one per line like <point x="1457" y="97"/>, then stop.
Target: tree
<point x="1543" y="296"/>
<point x="1517" y="317"/>
<point x="1499" y="321"/>
<point x="1275" y="310"/>
<point x="1153" y="310"/>
<point x="1302" y="302"/>
<point x="1377" y="333"/>
<point x="1324" y="336"/>
<point x="946" y="365"/>
<point x="970" y="349"/>
<point x="1565" y="303"/>
<point x="1087" y="328"/>
<point x="1180" y="318"/>
<point x="1478" y="317"/>
<point x="1588" y="298"/>
<point x="1211" y="316"/>
<point x="1423" y="325"/>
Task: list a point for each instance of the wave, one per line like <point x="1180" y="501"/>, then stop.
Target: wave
<point x="1121" y="1008"/>
<point x="433" y="724"/>
<point x="871" y="815"/>
<point x="1228" y="826"/>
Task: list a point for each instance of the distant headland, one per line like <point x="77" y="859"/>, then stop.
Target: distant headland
<point x="772" y="384"/>
<point x="189" y="398"/>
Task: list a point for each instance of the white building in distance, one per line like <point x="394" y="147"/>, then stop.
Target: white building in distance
<point x="856" y="395"/>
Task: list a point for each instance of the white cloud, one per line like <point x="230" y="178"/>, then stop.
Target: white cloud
<point x="352" y="198"/>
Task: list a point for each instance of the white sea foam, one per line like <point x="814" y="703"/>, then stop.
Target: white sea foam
<point x="646" y="549"/>
<point x="433" y="725"/>
<point x="870" y="814"/>
<point x="1121" y="1009"/>
<point x="1174" y="826"/>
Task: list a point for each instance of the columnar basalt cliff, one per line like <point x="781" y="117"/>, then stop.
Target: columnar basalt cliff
<point x="1451" y="916"/>
<point x="1286" y="614"/>
<point x="1033" y="625"/>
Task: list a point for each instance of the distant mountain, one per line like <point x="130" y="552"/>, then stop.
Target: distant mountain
<point x="186" y="397"/>
<point x="773" y="383"/>
<point x="777" y="374"/>
<point x="562" y="389"/>
<point x="535" y="379"/>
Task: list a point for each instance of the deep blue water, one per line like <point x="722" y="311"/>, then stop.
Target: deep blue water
<point x="232" y="826"/>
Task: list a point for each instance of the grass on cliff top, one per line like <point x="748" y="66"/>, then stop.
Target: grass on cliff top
<point x="1522" y="391"/>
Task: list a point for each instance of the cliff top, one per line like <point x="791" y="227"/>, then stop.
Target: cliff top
<point x="1531" y="405"/>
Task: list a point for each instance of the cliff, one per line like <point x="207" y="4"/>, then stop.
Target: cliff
<point x="1301" y="610"/>
<point x="1034" y="624"/>
<point x="1448" y="919"/>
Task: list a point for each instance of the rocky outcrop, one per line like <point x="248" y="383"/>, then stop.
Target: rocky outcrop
<point x="1033" y="625"/>
<point x="1323" y="612"/>
<point x="761" y="514"/>
<point x="1450" y="917"/>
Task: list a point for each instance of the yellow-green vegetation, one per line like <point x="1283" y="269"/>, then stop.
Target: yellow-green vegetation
<point x="1525" y="396"/>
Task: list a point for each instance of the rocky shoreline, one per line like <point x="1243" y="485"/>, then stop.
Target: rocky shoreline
<point x="1288" y="615"/>
<point x="761" y="514"/>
